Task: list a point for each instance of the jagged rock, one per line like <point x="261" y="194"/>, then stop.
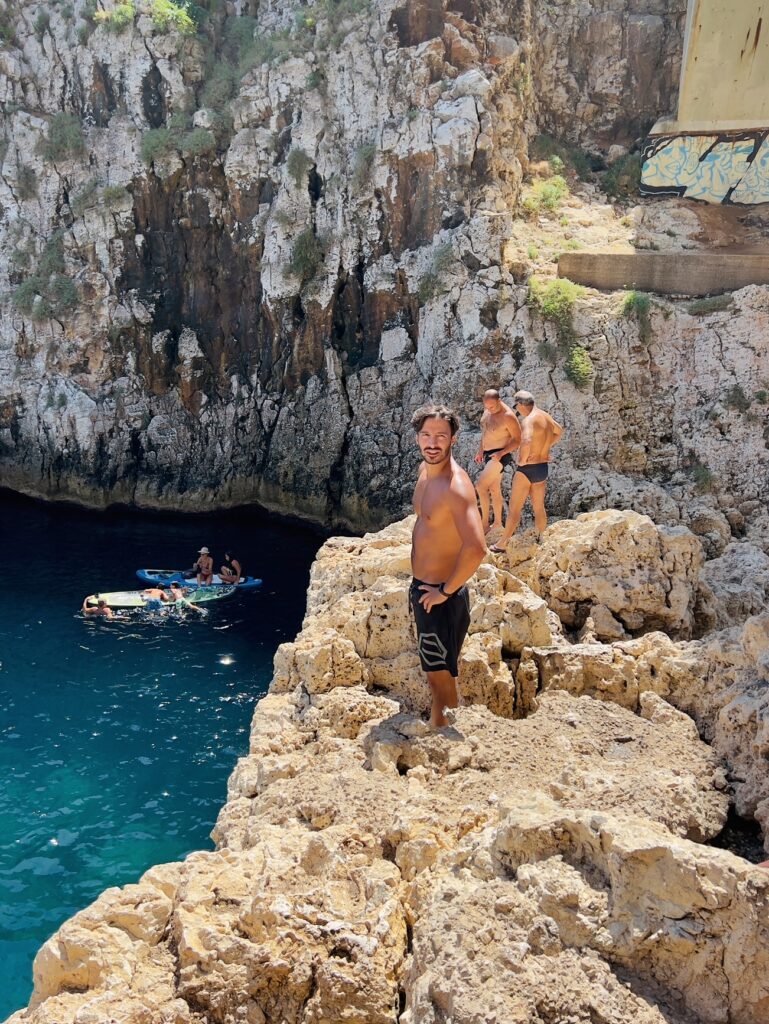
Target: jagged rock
<point x="644" y="576"/>
<point x="739" y="580"/>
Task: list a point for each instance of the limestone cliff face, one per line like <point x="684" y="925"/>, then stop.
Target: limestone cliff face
<point x="542" y="859"/>
<point x="234" y="261"/>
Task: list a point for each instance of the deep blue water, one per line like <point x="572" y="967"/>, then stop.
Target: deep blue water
<point x="117" y="738"/>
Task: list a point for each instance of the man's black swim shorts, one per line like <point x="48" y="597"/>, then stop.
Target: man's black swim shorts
<point x="440" y="632"/>
<point x="536" y="473"/>
<point x="504" y="461"/>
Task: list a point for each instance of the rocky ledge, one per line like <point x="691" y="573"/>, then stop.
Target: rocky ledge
<point x="544" y="859"/>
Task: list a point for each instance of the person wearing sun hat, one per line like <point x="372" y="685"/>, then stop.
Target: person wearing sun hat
<point x="204" y="567"/>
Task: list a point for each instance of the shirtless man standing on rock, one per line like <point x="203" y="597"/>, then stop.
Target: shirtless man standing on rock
<point x="539" y="433"/>
<point x="447" y="547"/>
<point x="501" y="436"/>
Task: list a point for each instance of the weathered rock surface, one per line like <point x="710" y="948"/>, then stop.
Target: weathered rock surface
<point x="545" y="867"/>
<point x="161" y="345"/>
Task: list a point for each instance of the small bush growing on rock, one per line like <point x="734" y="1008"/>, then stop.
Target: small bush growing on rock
<point x="168" y="16"/>
<point x="636" y="306"/>
<point x="363" y="164"/>
<point x="317" y="80"/>
<point x="65" y="139"/>
<point x="761" y="396"/>
<point x="118" y="18"/>
<point x="545" y="147"/>
<point x="579" y="366"/>
<point x="26" y="182"/>
<point x="546" y="195"/>
<point x="702" y="476"/>
<point x="306" y="255"/>
<point x="623" y="178"/>
<point x="555" y="302"/>
<point x="156" y="143"/>
<point x="430" y="282"/>
<point x="736" y="399"/>
<point x="80" y="203"/>
<point x="532" y="251"/>
<point x="220" y="87"/>
<point x="49" y="292"/>
<point x="197" y="142"/>
<point x="83" y="32"/>
<point x="7" y="25"/>
<point x="115" y="194"/>
<point x="711" y="304"/>
<point x="298" y="164"/>
<point x="41" y="24"/>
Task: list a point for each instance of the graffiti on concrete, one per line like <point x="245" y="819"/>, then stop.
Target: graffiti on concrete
<point x="728" y="167"/>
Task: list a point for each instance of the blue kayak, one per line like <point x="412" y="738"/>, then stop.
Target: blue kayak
<point x="185" y="577"/>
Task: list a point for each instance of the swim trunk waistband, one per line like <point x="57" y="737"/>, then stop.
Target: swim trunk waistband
<point x="440" y="632"/>
<point x="504" y="461"/>
<point x="536" y="472"/>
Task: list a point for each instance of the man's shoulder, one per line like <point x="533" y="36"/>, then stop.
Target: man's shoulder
<point x="461" y="485"/>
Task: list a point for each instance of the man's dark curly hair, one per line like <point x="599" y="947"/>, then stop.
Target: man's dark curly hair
<point x="437" y="412"/>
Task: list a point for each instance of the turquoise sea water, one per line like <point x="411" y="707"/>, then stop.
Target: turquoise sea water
<point x="117" y="738"/>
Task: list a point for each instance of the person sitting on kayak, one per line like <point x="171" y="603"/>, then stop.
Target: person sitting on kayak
<point x="204" y="567"/>
<point x="176" y="595"/>
<point x="231" y="571"/>
<point x="100" y="608"/>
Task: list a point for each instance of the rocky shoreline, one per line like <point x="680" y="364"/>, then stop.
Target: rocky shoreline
<point x="543" y="859"/>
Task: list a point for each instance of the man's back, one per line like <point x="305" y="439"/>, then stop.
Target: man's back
<point x="540" y="430"/>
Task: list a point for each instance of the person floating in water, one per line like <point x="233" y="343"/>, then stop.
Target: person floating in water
<point x="447" y="547"/>
<point x="539" y="432"/>
<point x="177" y="595"/>
<point x="204" y="567"/>
<point x="500" y="437"/>
<point x="100" y="608"/>
<point x="231" y="571"/>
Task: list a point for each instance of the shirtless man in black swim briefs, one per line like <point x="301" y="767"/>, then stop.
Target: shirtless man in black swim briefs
<point x="538" y="435"/>
<point x="447" y="547"/>
<point x="501" y="436"/>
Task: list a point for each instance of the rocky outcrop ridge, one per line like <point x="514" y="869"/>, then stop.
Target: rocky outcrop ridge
<point x="542" y="859"/>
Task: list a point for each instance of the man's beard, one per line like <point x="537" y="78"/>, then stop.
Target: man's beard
<point x="436" y="460"/>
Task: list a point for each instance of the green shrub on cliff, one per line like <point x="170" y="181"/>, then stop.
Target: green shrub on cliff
<point x="711" y="304"/>
<point x="156" y="143"/>
<point x="298" y="163"/>
<point x="197" y="142"/>
<point x="561" y="154"/>
<point x="702" y="476"/>
<point x="430" y="282"/>
<point x="623" y="178"/>
<point x="363" y="164"/>
<point x="306" y="255"/>
<point x="49" y="292"/>
<point x="545" y="196"/>
<point x="26" y="182"/>
<point x="41" y="24"/>
<point x="579" y="366"/>
<point x="7" y="24"/>
<point x="65" y="139"/>
<point x="117" y="18"/>
<point x="168" y="16"/>
<point x="555" y="302"/>
<point x="636" y="306"/>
